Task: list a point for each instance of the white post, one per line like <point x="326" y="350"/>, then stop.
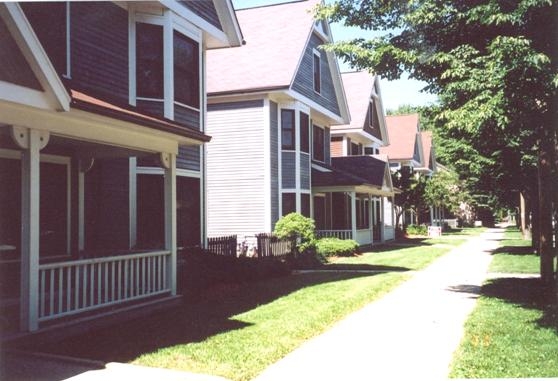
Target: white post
<point x="353" y="215"/>
<point x="30" y="175"/>
<point x="132" y="202"/>
<point x="382" y="222"/>
<point x="81" y="210"/>
<point x="170" y="218"/>
<point x="371" y="217"/>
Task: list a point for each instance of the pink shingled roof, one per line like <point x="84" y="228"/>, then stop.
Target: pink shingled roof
<point x="426" y="137"/>
<point x="402" y="131"/>
<point x="275" y="39"/>
<point x="358" y="87"/>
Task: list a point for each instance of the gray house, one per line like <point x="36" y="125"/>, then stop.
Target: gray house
<point x="271" y="106"/>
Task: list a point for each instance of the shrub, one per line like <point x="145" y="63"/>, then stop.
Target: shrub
<point x="296" y="226"/>
<point x="417" y="230"/>
<point x="329" y="247"/>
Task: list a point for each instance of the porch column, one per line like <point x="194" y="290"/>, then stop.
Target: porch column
<point x="353" y="215"/>
<point x="382" y="222"/>
<point x="170" y="217"/>
<point x="371" y="217"/>
<point x="32" y="141"/>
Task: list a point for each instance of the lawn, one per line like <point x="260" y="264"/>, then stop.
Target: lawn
<point x="515" y="255"/>
<point x="237" y="330"/>
<point x="513" y="331"/>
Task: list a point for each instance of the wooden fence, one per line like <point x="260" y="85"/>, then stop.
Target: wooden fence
<point x="271" y="246"/>
<point x="225" y="245"/>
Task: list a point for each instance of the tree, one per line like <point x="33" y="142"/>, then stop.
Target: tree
<point x="411" y="197"/>
<point x="445" y="190"/>
<point x="492" y="64"/>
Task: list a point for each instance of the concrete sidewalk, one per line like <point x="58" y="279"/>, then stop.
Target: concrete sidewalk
<point x="411" y="333"/>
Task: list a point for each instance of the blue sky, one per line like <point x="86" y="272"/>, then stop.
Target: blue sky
<point x="394" y="93"/>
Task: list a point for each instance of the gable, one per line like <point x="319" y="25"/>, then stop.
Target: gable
<point x="372" y="126"/>
<point x="13" y="66"/>
<point x="303" y="80"/>
<point x="416" y="153"/>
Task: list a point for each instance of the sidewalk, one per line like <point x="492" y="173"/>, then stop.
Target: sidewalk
<point x="409" y="334"/>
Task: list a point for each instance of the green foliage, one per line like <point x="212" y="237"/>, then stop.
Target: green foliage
<point x="335" y="247"/>
<point x="417" y="230"/>
<point x="446" y="190"/>
<point x="296" y="226"/>
<point x="491" y="63"/>
<point x="412" y="186"/>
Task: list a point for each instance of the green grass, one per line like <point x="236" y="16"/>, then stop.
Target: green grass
<point x="237" y="330"/>
<point x="515" y="255"/>
<point x="513" y="331"/>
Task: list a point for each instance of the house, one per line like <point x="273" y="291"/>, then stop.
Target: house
<point x="272" y="104"/>
<point x="411" y="150"/>
<point x="95" y="97"/>
<point x="355" y="149"/>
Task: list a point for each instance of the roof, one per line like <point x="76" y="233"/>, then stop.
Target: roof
<point x="89" y="103"/>
<point x="369" y="168"/>
<point x="265" y="62"/>
<point x="402" y="130"/>
<point x="335" y="178"/>
<point x="358" y="88"/>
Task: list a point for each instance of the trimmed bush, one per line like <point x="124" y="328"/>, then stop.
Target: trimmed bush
<point x="417" y="230"/>
<point x="296" y="226"/>
<point x="335" y="247"/>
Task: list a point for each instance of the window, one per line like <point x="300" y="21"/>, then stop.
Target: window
<point x="305" y="204"/>
<point x="355" y="149"/>
<point x="186" y="71"/>
<point x="371" y="151"/>
<point x="289" y="203"/>
<point x="149" y="61"/>
<point x="320" y="211"/>
<point x="318" y="151"/>
<point x="304" y="133"/>
<point x="317" y="72"/>
<point x="287" y="129"/>
<point x="363" y="213"/>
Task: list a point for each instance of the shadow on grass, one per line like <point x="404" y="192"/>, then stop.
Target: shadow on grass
<point x="362" y="267"/>
<point x="192" y="322"/>
<point x="514" y="250"/>
<point x="528" y="293"/>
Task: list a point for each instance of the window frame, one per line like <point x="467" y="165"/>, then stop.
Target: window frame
<point x="321" y="159"/>
<point x="292" y="132"/>
<point x="304" y="132"/>
<point x="317" y="71"/>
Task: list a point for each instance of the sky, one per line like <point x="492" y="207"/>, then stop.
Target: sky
<point x="394" y="93"/>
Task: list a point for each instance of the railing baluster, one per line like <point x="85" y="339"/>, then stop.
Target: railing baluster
<point x="76" y="288"/>
<point x="60" y="290"/>
<point x="119" y="280"/>
<point x="84" y="301"/>
<point x="143" y="286"/>
<point x="42" y="293"/>
<point x="51" y="292"/>
<point x="137" y="276"/>
<point x="68" y="288"/>
<point x="99" y="288"/>
<point x="106" y="286"/>
<point x="132" y="278"/>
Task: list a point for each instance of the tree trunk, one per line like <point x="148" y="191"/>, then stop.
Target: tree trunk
<point x="546" y="146"/>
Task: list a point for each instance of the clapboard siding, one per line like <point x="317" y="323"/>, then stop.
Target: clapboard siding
<point x="205" y="9"/>
<point x="236" y="169"/>
<point x="304" y="82"/>
<point x="154" y="108"/>
<point x="187" y="117"/>
<point x="274" y="149"/>
<point x="188" y="158"/>
<point x="99" y="48"/>
<point x="288" y="170"/>
<point x="374" y="127"/>
<point x="327" y="148"/>
<point x="304" y="171"/>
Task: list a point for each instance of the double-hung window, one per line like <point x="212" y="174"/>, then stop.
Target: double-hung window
<point x="149" y="61"/>
<point x="288" y="129"/>
<point x="318" y="144"/>
<point x="186" y="71"/>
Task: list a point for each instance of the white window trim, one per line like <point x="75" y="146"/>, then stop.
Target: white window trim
<point x="53" y="159"/>
<point x="324" y="142"/>
<point x="170" y="22"/>
<point x="318" y="54"/>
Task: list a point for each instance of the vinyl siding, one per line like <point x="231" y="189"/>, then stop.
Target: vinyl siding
<point x="187" y="117"/>
<point x="327" y="148"/>
<point x="205" y="9"/>
<point x="373" y="130"/>
<point x="188" y="158"/>
<point x="304" y="171"/>
<point x="235" y="169"/>
<point x="274" y="149"/>
<point x="288" y="170"/>
<point x="304" y="82"/>
<point x="99" y="48"/>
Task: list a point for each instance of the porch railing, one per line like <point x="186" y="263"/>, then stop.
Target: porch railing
<point x="341" y="234"/>
<point x="67" y="288"/>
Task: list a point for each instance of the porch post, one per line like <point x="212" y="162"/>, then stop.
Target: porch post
<point x="382" y="217"/>
<point x="170" y="218"/>
<point x="353" y="215"/>
<point x="30" y="172"/>
<point x="371" y="217"/>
